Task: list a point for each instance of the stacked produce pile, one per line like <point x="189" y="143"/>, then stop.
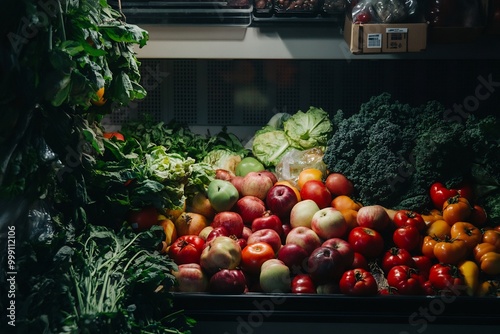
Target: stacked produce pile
<point x="286" y="217"/>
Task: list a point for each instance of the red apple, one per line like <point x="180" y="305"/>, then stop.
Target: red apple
<point x="231" y="221"/>
<point x="343" y="247"/>
<point x="256" y="184"/>
<point x="268" y="220"/>
<point x="247" y="231"/>
<point x="338" y="184"/>
<point x="214" y="233"/>
<point x="250" y="207"/>
<point x="328" y="223"/>
<point x="266" y="235"/>
<point x="374" y="217"/>
<point x="304" y="237"/>
<point x="325" y="265"/>
<point x="294" y="256"/>
<point x="237" y="182"/>
<point x="270" y="174"/>
<point x="280" y="200"/>
<point x="223" y="174"/>
<point x="228" y="281"/>
<point x="286" y="229"/>
<point x="190" y="278"/>
<point x="302" y="213"/>
<point x="242" y="242"/>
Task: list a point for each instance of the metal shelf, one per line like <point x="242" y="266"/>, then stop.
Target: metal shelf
<point x="287" y="41"/>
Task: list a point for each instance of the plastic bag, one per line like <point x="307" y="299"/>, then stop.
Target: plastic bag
<point x="40" y="222"/>
<point x="295" y="161"/>
<point x="383" y="11"/>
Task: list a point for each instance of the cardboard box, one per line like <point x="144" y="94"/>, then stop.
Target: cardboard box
<point x="385" y="38"/>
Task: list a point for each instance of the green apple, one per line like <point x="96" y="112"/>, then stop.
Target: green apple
<point x="222" y="195"/>
<point x="247" y="165"/>
<point x="275" y="276"/>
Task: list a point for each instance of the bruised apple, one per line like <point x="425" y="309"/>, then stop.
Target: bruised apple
<point x="190" y="277"/>
<point x="275" y="277"/>
<point x="221" y="253"/>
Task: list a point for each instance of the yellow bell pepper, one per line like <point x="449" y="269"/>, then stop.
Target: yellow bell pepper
<point x="470" y="271"/>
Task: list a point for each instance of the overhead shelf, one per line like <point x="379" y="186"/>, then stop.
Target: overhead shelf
<point x="209" y="13"/>
<point x="293" y="41"/>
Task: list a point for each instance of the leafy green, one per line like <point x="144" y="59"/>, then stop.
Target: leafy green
<point x="178" y="138"/>
<point x="101" y="281"/>
<point x="285" y="132"/>
<point x="270" y="146"/>
<point x="308" y="129"/>
<point x="223" y="159"/>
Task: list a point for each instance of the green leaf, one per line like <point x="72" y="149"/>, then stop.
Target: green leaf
<point x="62" y="90"/>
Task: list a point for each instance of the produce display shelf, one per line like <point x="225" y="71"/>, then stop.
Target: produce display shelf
<point x="212" y="13"/>
<point x="340" y="308"/>
<point x="258" y="19"/>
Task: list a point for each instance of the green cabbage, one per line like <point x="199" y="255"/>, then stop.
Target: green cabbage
<point x="308" y="129"/>
<point x="223" y="159"/>
<point x="270" y="146"/>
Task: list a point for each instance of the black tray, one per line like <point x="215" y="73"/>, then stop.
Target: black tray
<point x="340" y="308"/>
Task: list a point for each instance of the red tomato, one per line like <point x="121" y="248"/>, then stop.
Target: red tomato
<point x="423" y="264"/>
<point x="366" y="241"/>
<point x="440" y="194"/>
<point x="358" y="282"/>
<point x="405" y="280"/>
<point x="303" y="283"/>
<point x="186" y="249"/>
<point x="316" y="191"/>
<point x="254" y="255"/>
<point x="396" y="256"/>
<point x="446" y="278"/>
<point x="143" y="219"/>
<point x="359" y="262"/>
<point x="478" y="216"/>
<point x="407" y="237"/>
<point x="404" y="217"/>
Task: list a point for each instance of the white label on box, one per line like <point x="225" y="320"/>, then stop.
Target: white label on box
<point x="398" y="30"/>
<point x="374" y="41"/>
